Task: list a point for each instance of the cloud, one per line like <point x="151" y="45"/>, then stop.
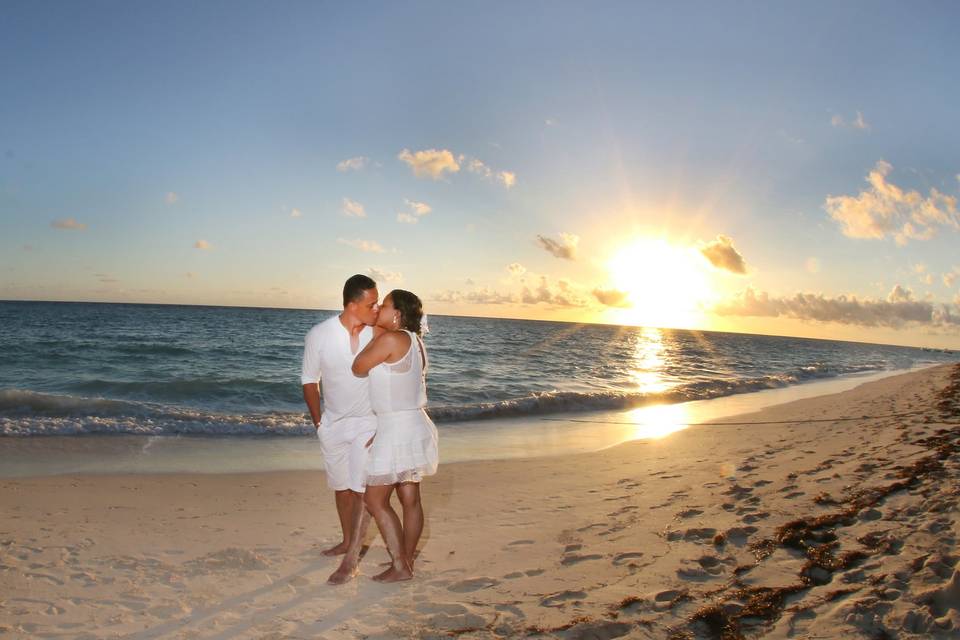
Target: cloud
<point x="611" y="297"/>
<point x="106" y="278"/>
<point x="884" y="209"/>
<point x="353" y="209"/>
<point x="478" y="296"/>
<point x="368" y="246"/>
<point x="384" y="276"/>
<point x="171" y="197"/>
<point x="27" y="247"/>
<point x="506" y="178"/>
<point x="202" y="245"/>
<point x="559" y="295"/>
<point x="353" y="164"/>
<point x="534" y="289"/>
<point x="858" y="122"/>
<point x="69" y="224"/>
<point x="723" y="255"/>
<point x="296" y="213"/>
<point x="416" y="211"/>
<point x="899" y="309"/>
<point x="565" y="248"/>
<point x="812" y="265"/>
<point x="430" y="163"/>
<point x="950" y="277"/>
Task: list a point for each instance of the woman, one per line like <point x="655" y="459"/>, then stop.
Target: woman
<point x="405" y="447"/>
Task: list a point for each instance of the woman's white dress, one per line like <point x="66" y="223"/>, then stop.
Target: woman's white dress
<point x="405" y="447"/>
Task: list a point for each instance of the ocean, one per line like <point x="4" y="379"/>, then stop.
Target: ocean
<point x="97" y="368"/>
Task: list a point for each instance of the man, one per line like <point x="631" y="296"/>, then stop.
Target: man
<point x="346" y="423"/>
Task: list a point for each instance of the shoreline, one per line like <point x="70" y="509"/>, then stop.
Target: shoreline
<point x="803" y="529"/>
<point x="488" y="439"/>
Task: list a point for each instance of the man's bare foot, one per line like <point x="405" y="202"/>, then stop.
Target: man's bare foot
<point x="393" y="575"/>
<point x="342" y="575"/>
<point x="338" y="550"/>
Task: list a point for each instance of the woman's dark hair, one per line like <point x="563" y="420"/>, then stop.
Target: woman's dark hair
<point x="410" y="308"/>
<point x="354" y="287"/>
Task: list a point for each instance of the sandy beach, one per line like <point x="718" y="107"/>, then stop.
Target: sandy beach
<point x="836" y="518"/>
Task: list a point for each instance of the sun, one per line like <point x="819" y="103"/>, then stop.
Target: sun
<point x="663" y="285"/>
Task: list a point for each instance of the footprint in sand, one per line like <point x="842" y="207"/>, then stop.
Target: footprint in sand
<point x="473" y="584"/>
<point x="519" y="542"/>
<point x="688" y="513"/>
<point x="795" y="494"/>
<point x="533" y="572"/>
<point x="623" y="558"/>
<point x="753" y="517"/>
<point x="578" y="558"/>
<point x="560" y="599"/>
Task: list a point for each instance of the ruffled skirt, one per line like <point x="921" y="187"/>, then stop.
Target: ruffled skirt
<point x="404" y="449"/>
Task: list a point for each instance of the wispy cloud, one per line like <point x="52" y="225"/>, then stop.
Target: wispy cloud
<point x="171" y="197"/>
<point x="296" y="213"/>
<point x="525" y="288"/>
<point x="69" y="224"/>
<point x="484" y="295"/>
<point x="368" y="246"/>
<point x="951" y="276"/>
<point x="415" y="210"/>
<point x="611" y="297"/>
<point x="353" y="164"/>
<point x="353" y="209"/>
<point x="477" y="166"/>
<point x="812" y="265"/>
<point x="884" y="209"/>
<point x="723" y="255"/>
<point x="565" y="247"/>
<point x="857" y="122"/>
<point x="202" y="245"/>
<point x="381" y="275"/>
<point x="899" y="309"/>
<point x="430" y="163"/>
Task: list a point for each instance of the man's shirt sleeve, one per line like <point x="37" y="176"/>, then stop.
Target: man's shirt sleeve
<point x="310" y="373"/>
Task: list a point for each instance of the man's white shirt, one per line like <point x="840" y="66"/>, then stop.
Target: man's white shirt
<point x="327" y="358"/>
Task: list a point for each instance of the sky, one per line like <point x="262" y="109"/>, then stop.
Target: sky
<point x="757" y="167"/>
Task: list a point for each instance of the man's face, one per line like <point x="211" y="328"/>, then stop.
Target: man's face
<point x="366" y="308"/>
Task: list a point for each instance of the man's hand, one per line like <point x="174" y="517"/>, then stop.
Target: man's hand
<point x="311" y="395"/>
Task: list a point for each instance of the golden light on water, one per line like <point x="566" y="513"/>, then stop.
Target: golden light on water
<point x="666" y="285"/>
<point x="649" y="361"/>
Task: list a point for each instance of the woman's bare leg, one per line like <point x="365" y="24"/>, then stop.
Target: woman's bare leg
<point x="409" y="494"/>
<point x="377" y="499"/>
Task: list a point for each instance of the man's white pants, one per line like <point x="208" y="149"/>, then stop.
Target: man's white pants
<point x="343" y="444"/>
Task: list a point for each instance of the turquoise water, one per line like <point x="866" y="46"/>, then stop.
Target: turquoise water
<point x="76" y="368"/>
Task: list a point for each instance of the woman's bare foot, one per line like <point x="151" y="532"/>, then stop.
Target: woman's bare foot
<point x="338" y="550"/>
<point x="394" y="575"/>
<point x="343" y="574"/>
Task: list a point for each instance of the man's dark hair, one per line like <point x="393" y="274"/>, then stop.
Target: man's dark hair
<point x="410" y="308"/>
<point x="354" y="287"/>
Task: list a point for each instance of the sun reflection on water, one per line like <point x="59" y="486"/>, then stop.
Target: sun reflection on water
<point x="648" y="362"/>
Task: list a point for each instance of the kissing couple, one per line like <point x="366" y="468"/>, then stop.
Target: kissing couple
<point x="364" y="382"/>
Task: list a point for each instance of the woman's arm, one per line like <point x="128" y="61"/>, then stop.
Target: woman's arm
<point x="379" y="350"/>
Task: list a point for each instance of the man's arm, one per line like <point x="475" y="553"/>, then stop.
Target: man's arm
<point x="311" y="395"/>
<point x="310" y="375"/>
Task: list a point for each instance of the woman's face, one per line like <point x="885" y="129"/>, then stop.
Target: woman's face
<point x="389" y="316"/>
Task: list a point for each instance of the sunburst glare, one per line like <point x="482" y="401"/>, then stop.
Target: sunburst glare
<point x="665" y="285"/>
